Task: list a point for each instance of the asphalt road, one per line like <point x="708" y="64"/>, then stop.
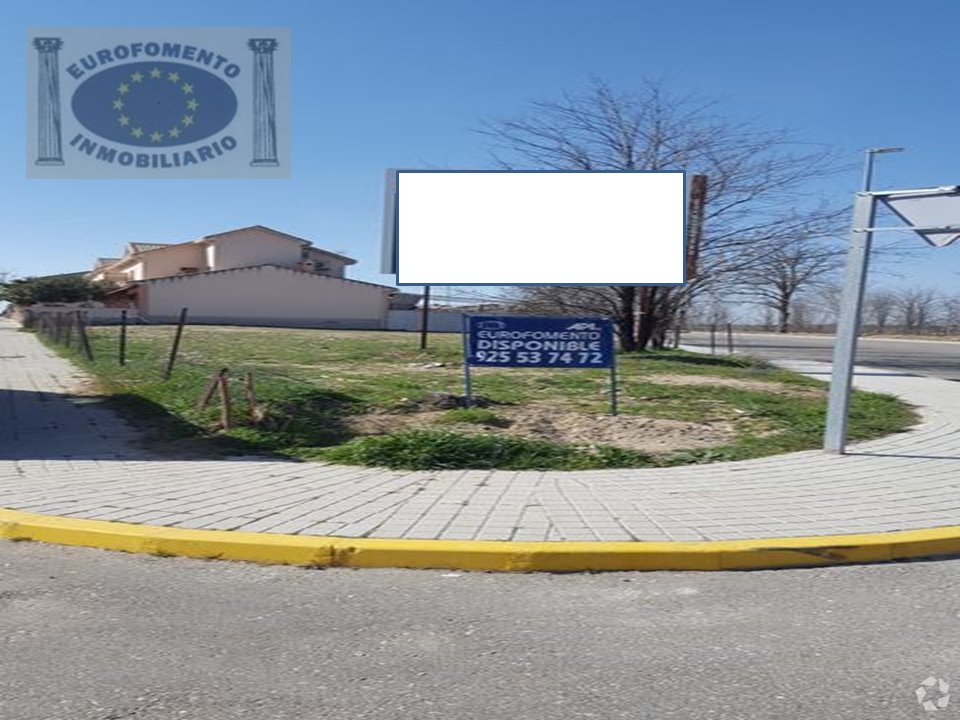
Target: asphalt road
<point x="930" y="357"/>
<point x="92" y="635"/>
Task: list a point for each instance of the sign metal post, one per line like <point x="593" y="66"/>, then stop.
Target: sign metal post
<point x="467" y="391"/>
<point x="848" y="323"/>
<point x="934" y="214"/>
<point x="613" y="389"/>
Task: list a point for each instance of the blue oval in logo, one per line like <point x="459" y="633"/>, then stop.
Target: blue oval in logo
<point x="154" y="104"/>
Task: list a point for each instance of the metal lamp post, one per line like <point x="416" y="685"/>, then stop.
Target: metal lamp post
<point x="848" y="321"/>
<point x="868" y="163"/>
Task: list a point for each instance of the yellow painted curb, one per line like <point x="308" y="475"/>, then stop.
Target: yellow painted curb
<point x="480" y="554"/>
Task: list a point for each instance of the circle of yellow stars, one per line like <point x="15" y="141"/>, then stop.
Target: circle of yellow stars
<point x="156" y="74"/>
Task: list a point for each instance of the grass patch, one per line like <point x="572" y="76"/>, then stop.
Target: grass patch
<point x="309" y="384"/>
<point x="438" y="450"/>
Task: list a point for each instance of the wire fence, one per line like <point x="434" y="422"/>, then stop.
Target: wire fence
<point x="195" y="386"/>
<point x="67" y="329"/>
<point x="245" y="394"/>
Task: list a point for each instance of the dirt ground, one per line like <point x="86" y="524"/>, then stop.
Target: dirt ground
<point x="633" y="432"/>
<point x="542" y="422"/>
<point x="736" y="383"/>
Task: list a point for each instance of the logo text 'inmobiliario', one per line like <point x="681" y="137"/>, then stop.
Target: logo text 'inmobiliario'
<point x="158" y="103"/>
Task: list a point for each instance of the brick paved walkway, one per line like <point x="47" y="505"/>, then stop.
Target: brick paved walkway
<point x="63" y="456"/>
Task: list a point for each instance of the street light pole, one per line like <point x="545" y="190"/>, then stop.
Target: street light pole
<point x="868" y="170"/>
<point x="868" y="164"/>
<point x="848" y="321"/>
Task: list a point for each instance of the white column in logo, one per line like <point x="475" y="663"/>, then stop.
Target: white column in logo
<point x="48" y="107"/>
<point x="264" y="104"/>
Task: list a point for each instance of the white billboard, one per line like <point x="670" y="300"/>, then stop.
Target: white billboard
<point x="520" y="227"/>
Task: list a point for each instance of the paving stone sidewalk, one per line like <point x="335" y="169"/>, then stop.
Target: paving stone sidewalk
<point x="63" y="454"/>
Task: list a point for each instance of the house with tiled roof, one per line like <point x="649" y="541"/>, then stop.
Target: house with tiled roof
<point x="250" y="276"/>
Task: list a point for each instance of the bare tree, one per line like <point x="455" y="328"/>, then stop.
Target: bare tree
<point x="793" y="267"/>
<point x="756" y="196"/>
<point x="618" y="303"/>
<point x="950" y="315"/>
<point x="917" y="308"/>
<point x="879" y="308"/>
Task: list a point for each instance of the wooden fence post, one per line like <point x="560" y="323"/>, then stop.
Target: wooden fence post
<point x="176" y="345"/>
<point x="82" y="336"/>
<point x="123" y="338"/>
<point x="226" y="408"/>
<point x="255" y="416"/>
<point x="211" y="389"/>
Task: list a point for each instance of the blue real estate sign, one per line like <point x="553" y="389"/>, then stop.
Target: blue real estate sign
<point x="525" y="341"/>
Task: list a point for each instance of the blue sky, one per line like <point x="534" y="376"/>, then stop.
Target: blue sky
<point x="387" y="83"/>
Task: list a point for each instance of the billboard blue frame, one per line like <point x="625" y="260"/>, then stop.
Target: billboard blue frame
<point x="390" y="261"/>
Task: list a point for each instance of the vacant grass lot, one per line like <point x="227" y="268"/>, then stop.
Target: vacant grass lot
<point x="319" y="390"/>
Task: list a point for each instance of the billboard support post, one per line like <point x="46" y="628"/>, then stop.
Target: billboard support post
<point x="425" y="317"/>
<point x="696" y="204"/>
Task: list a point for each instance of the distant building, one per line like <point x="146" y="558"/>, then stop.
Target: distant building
<point x="249" y="276"/>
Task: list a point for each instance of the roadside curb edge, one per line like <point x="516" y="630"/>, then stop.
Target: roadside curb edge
<point x="322" y="551"/>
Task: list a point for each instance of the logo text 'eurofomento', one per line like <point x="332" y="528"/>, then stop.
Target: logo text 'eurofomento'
<point x="160" y="107"/>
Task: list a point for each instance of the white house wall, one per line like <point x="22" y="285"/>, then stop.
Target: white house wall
<point x="210" y="255"/>
<point x="171" y="261"/>
<point x="136" y="272"/>
<point x="334" y="266"/>
<point x="245" y="248"/>
<point x="266" y="296"/>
